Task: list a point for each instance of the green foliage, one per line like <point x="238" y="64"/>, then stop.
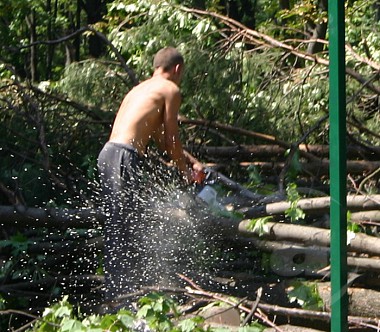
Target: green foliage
<point x="254" y="327"/>
<point x="49" y="147"/>
<point x="254" y="178"/>
<point x="284" y="102"/>
<point x="293" y="212"/>
<point x="2" y="303"/>
<point x="211" y="92"/>
<point x="294" y="166"/>
<point x="19" y="18"/>
<point x="19" y="244"/>
<point x="306" y="295"/>
<point x="61" y="317"/>
<point x="156" y="311"/>
<point x="95" y="83"/>
<point x="352" y="226"/>
<point x="21" y="265"/>
<point x="259" y="225"/>
<point x="361" y="34"/>
<point x="302" y="13"/>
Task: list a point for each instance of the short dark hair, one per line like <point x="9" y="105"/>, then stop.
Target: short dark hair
<point x="167" y="58"/>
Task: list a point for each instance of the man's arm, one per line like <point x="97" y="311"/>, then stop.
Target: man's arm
<point x="172" y="141"/>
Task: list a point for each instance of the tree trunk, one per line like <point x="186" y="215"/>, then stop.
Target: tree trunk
<point x="95" y="9"/>
<point x="50" y="36"/>
<point x="33" y="61"/>
<point x="316" y="168"/>
<point x="317" y="205"/>
<point x="307" y="235"/>
<point x="318" y="31"/>
<point x="242" y="152"/>
<point x="77" y="26"/>
<point x="362" y="302"/>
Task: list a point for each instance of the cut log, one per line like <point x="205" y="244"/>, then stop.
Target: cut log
<point x="366" y="216"/>
<point x="307" y="235"/>
<point x="316" y="167"/>
<point x="362" y="302"/>
<point x="292" y="260"/>
<point x="318" y="205"/>
<point x="20" y="216"/>
<point x="256" y="152"/>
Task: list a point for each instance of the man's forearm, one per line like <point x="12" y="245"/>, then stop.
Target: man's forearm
<point x="178" y="156"/>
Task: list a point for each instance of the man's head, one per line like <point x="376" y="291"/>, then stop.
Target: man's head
<point x="171" y="62"/>
<point x="167" y="58"/>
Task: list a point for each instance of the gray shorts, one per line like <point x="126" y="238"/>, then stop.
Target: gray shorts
<point x="121" y="171"/>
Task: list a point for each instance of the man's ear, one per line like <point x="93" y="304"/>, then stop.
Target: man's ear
<point x="177" y="68"/>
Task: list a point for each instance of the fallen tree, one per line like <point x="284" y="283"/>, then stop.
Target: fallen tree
<point x="314" y="205"/>
<point x="308" y="235"/>
<point x="260" y="151"/>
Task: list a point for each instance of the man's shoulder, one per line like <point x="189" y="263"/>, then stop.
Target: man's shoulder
<point x="165" y="85"/>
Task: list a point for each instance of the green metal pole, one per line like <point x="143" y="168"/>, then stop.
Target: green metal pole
<point x="338" y="169"/>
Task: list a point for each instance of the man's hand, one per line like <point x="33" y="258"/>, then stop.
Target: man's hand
<point x="198" y="173"/>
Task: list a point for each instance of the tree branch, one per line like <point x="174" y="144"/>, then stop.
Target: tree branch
<point x="259" y="38"/>
<point x="129" y="71"/>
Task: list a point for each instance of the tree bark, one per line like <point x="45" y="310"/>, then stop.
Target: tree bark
<point x="23" y="217"/>
<point x="362" y="302"/>
<point x="366" y="216"/>
<point x="318" y="31"/>
<point x="314" y="205"/>
<point x="307" y="235"/>
<point x="95" y="9"/>
<point x="317" y="168"/>
<point x="278" y="151"/>
<point x="307" y="260"/>
<point x="31" y="22"/>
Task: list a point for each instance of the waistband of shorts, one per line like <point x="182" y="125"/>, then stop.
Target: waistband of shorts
<point x="123" y="146"/>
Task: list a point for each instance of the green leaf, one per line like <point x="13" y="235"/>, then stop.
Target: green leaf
<point x="72" y="325"/>
<point x="306" y="295"/>
<point x="63" y="311"/>
<point x="295" y="214"/>
<point x="145" y="312"/>
<point x="292" y="193"/>
<point x="191" y="324"/>
<point x="126" y="319"/>
<point x="107" y="321"/>
<point x="159" y="306"/>
<point x="259" y="225"/>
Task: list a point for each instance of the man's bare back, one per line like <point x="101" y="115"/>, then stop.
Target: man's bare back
<point x="141" y="113"/>
<point x="150" y="111"/>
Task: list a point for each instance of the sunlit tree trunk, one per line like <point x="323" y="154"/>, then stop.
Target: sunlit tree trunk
<point x="377" y="8"/>
<point x="317" y="31"/>
<point x="31" y="22"/>
<point x="50" y="36"/>
<point x="77" y="25"/>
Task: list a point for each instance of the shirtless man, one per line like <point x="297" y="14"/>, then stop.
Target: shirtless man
<point x="148" y="111"/>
